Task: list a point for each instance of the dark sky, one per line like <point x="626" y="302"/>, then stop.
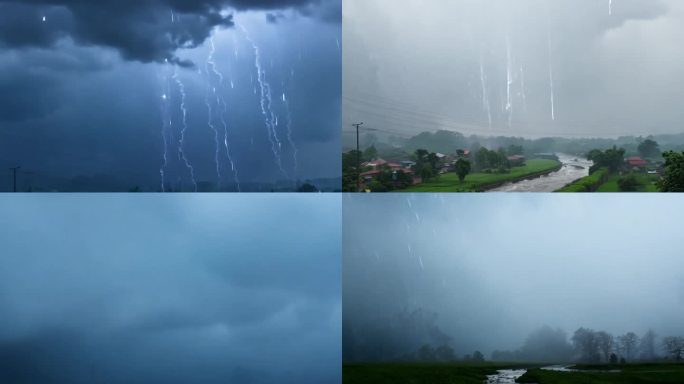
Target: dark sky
<point x="89" y="88"/>
<point x="177" y="289"/>
<point x="413" y="66"/>
<point x="495" y="268"/>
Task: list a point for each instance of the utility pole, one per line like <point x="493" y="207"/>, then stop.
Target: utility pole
<point x="358" y="157"/>
<point x="14" y="177"/>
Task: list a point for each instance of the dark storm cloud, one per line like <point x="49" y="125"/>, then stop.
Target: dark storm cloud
<point x="29" y="86"/>
<point x="146" y="31"/>
<point x="208" y="289"/>
<point x="26" y="96"/>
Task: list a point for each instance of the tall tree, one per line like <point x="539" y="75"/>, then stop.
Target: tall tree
<point x="674" y="346"/>
<point x="371" y="153"/>
<point x="628" y="344"/>
<point x="586" y="345"/>
<point x="462" y="169"/>
<point x="673" y="181"/>
<point x="605" y="343"/>
<point x="649" y="149"/>
<point x="647" y="345"/>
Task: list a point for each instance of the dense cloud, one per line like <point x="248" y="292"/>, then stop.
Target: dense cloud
<point x="486" y="271"/>
<point x="83" y="114"/>
<point x="208" y="289"/>
<point x="150" y="30"/>
<point x="429" y="65"/>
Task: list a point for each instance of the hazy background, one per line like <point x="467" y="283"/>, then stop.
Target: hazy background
<point x="487" y="271"/>
<point x="415" y="65"/>
<point x="82" y="92"/>
<point x="176" y="289"/>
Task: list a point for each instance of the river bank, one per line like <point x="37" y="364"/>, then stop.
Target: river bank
<point x="571" y="168"/>
<point x="477" y="182"/>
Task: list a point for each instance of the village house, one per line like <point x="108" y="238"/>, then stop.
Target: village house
<point x="636" y="163"/>
<point x="517" y="160"/>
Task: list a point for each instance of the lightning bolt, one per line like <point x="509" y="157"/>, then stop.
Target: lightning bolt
<point x="166" y="127"/>
<point x="181" y="141"/>
<point x="221" y="103"/>
<point x="266" y="102"/>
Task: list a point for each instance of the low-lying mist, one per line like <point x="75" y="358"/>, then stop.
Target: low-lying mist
<point x="512" y="277"/>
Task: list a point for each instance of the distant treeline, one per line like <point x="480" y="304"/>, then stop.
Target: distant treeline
<point x="414" y="336"/>
<point x="590" y="346"/>
<point x="448" y="142"/>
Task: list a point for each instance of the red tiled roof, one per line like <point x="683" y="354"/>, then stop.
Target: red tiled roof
<point x="636" y="161"/>
<point x="371" y="173"/>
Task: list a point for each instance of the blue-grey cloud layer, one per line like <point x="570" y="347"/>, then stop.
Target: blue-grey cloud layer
<point x="81" y="91"/>
<point x="117" y="289"/>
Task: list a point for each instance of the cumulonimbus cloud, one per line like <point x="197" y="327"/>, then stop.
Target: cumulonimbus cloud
<point x="141" y="30"/>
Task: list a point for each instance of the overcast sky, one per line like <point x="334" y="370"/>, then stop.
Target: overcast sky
<point x="87" y="88"/>
<point x="418" y="65"/>
<point x="177" y="289"/>
<point x="496" y="268"/>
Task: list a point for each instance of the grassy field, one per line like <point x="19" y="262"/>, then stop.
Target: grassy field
<point x="638" y="373"/>
<point x="415" y="373"/>
<point x="647" y="183"/>
<point x="476" y="181"/>
<point x="611" y="185"/>
<point x="586" y="184"/>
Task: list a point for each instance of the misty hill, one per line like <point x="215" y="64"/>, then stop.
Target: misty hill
<point x="443" y="141"/>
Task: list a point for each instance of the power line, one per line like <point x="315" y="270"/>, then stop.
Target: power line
<point x="14" y="178"/>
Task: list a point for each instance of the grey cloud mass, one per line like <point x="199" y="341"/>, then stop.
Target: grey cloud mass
<point x="538" y="68"/>
<point x="483" y="272"/>
<point x="212" y="289"/>
<point x="149" y="30"/>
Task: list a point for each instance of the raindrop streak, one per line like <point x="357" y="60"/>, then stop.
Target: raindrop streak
<point x="485" y="97"/>
<point x="610" y="7"/>
<point x="523" y="91"/>
<point x="509" y="81"/>
<point x="553" y="102"/>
